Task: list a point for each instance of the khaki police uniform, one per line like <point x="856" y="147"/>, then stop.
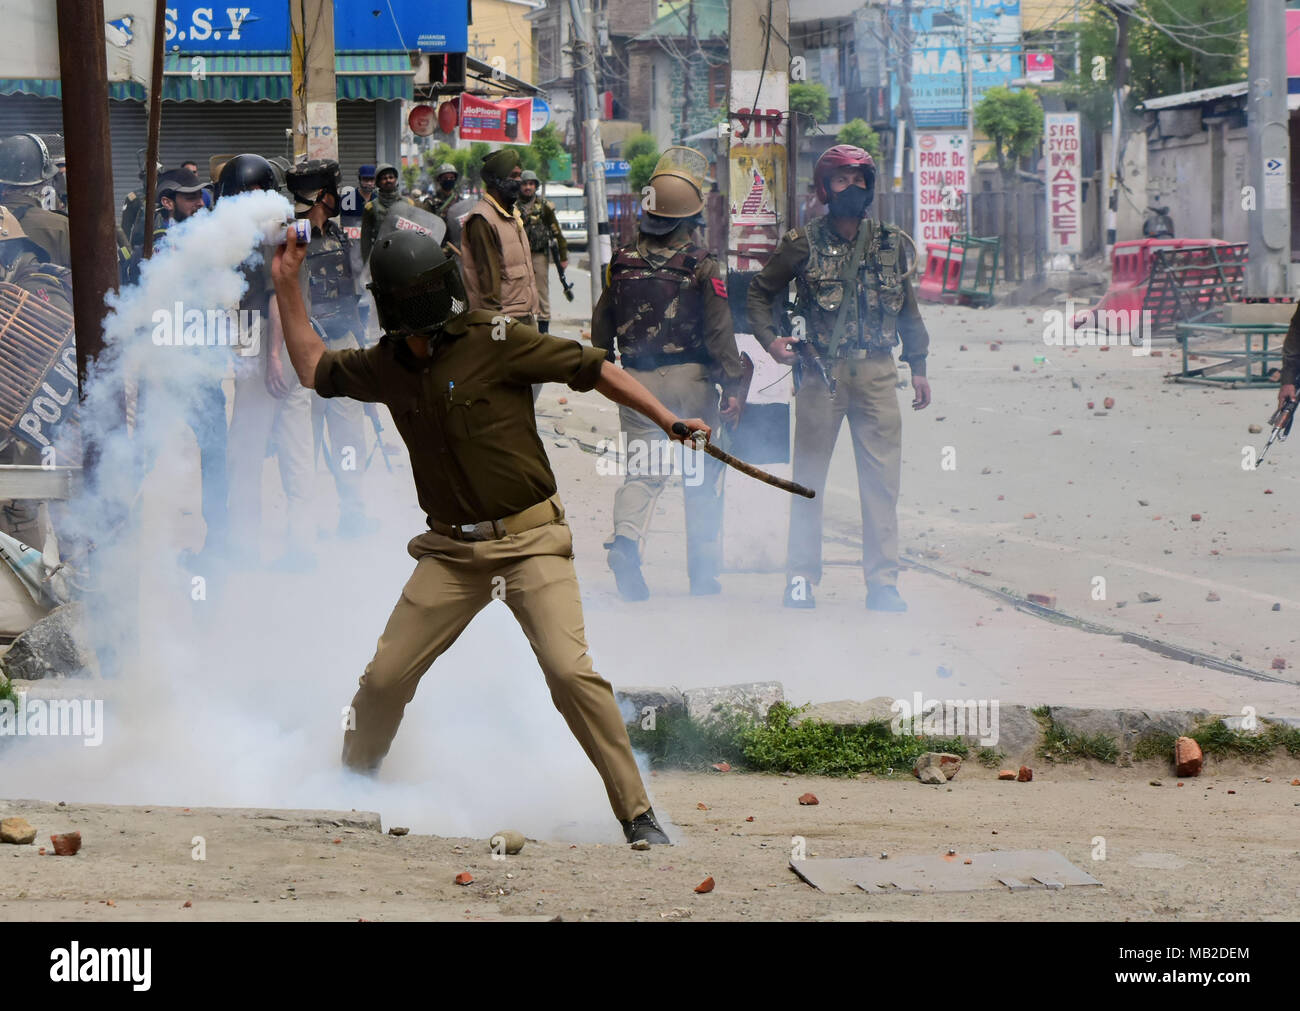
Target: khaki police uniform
<point x="541" y="226"/>
<point x="665" y="308"/>
<point x="882" y="311"/>
<point x="484" y="482"/>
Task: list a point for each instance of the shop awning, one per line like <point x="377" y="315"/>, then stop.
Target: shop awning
<point x="250" y="77"/>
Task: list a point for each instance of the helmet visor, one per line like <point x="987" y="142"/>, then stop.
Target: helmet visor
<point x="422" y="305"/>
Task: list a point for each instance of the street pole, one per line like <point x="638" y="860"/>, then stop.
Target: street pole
<point x="1267" y="271"/>
<point x="584" y="71"/>
<point x="1122" y="9"/>
<point x="970" y="118"/>
<point x="155" y="127"/>
<point x="315" y="118"/>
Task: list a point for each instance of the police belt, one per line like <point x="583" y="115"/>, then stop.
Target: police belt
<point x="648" y="362"/>
<point x="548" y="511"/>
<point x="856" y="354"/>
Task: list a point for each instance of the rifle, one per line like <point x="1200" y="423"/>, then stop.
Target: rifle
<point x="808" y="356"/>
<point x="554" y="247"/>
<point x="1281" y="422"/>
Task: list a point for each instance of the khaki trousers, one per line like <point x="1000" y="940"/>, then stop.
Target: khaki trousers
<point x="866" y="393"/>
<point x="688" y="392"/>
<point x="542" y="273"/>
<point x="258" y="422"/>
<point x="452" y="582"/>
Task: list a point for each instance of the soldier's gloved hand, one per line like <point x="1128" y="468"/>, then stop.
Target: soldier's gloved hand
<point x="782" y="350"/>
<point x="921" y="387"/>
<point x="731" y="412"/>
<point x="693" y="425"/>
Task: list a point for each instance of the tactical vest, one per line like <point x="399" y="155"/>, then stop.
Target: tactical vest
<point x="538" y="231"/>
<point x="518" y="293"/>
<point x="332" y="282"/>
<point x="877" y="299"/>
<point x="658" y="310"/>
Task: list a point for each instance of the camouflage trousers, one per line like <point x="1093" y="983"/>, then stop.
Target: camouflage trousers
<point x="867" y="395"/>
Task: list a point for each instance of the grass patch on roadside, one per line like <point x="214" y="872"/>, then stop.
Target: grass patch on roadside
<point x="990" y="758"/>
<point x="776" y="744"/>
<point x="1061" y="745"/>
<point x="1157" y="745"/>
<point x="1224" y="742"/>
<point x="7" y="692"/>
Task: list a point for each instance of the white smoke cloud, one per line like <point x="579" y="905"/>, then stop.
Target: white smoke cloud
<point x="237" y="699"/>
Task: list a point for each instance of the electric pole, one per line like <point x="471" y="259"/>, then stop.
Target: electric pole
<point x="1122" y="9"/>
<point x="584" y="73"/>
<point x="315" y="116"/>
<point x="1269" y="158"/>
<point x="970" y="118"/>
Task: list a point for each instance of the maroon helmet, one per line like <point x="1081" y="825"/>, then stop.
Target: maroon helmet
<point x="839" y="156"/>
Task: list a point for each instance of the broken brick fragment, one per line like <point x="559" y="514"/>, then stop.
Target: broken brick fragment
<point x="1279" y="663"/>
<point x="1007" y="774"/>
<point x="1187" y="757"/>
<point x="464" y="878"/>
<point x="66" y="845"/>
<point x="1046" y="599"/>
<point x="808" y="799"/>
<point x="705" y="886"/>
<point x="1108" y="403"/>
<point x="1025" y="775"/>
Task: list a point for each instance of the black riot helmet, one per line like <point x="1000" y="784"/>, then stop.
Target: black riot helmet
<point x="416" y="287"/>
<point x="245" y="172"/>
<point x="25" y="160"/>
<point x="308" y="181"/>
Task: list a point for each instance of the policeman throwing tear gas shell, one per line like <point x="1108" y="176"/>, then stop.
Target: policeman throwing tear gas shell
<point x="460" y="399"/>
<point x="855" y="302"/>
<point x="665" y="309"/>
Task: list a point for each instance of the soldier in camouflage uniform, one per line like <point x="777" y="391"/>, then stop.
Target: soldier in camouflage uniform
<point x="25" y="263"/>
<point x="335" y="292"/>
<point x="541" y="227"/>
<point x="665" y="307"/>
<point x="445" y="194"/>
<point x="387" y="192"/>
<point x="856" y="346"/>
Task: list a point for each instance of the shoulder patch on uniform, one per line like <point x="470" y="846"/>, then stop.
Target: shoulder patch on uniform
<point x="719" y="287"/>
<point x="792" y="235"/>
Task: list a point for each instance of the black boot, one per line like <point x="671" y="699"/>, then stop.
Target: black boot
<point x="544" y="326"/>
<point x="623" y="560"/>
<point x="645" y="827"/>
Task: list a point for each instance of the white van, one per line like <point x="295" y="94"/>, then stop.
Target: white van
<point x="570" y="212"/>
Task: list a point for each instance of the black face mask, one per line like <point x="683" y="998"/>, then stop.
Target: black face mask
<point x="509" y="190"/>
<point x="447" y="184"/>
<point x="849" y="203"/>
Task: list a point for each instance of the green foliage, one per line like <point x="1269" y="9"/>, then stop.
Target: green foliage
<point x="637" y="145"/>
<point x="812" y="100"/>
<point x="6" y="688"/>
<point x="1157" y="745"/>
<point x="1160" y="65"/>
<point x="778" y="745"/>
<point x="990" y="758"/>
<point x="468" y="160"/>
<point x="545" y="148"/>
<point x="1013" y="120"/>
<point x="859" y="134"/>
<point x="640" y="169"/>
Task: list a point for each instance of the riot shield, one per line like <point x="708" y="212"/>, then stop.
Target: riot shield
<point x="407" y="217"/>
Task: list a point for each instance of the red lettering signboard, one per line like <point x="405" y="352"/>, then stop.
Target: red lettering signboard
<point x="1064" y="183"/>
<point x="507" y="120"/>
<point x="942" y="179"/>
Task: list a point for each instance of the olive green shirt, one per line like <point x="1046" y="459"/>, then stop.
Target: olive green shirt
<point x="719" y="334"/>
<point x="45" y="228"/>
<point x="466" y="411"/>
<point x="774" y="279"/>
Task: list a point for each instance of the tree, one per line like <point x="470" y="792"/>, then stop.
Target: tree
<point x="859" y="134"/>
<point x="812" y="100"/>
<point x="546" y="147"/>
<point x="639" y="144"/>
<point x="1013" y="120"/>
<point x="640" y="169"/>
<point x="1174" y="46"/>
